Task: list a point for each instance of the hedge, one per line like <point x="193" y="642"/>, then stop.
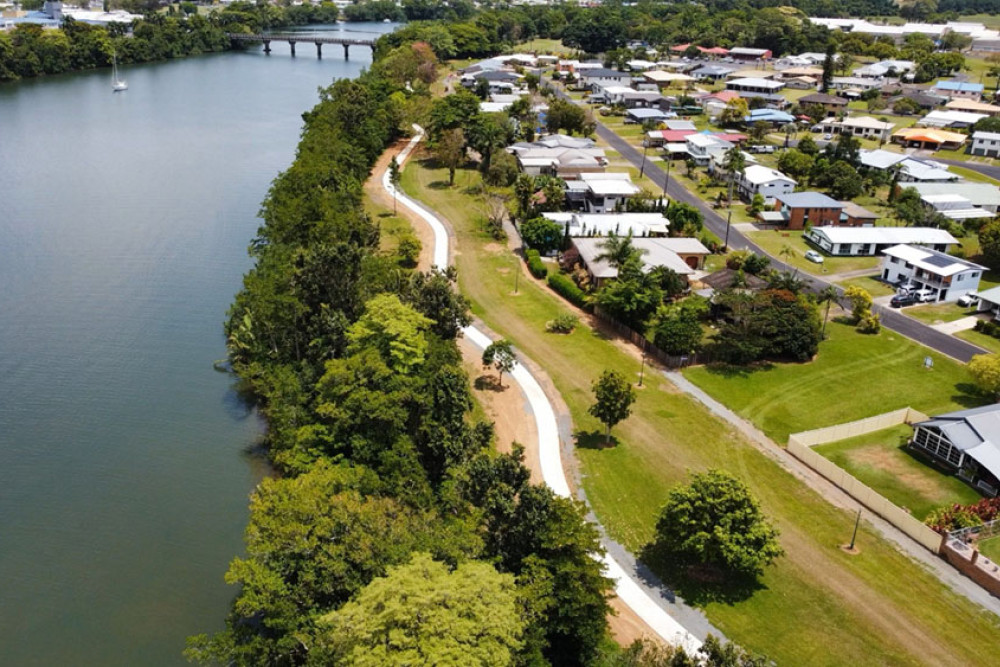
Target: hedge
<point x="566" y="288"/>
<point x="988" y="328"/>
<point x="535" y="264"/>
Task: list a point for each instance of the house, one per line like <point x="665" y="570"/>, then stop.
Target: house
<point x="855" y="215"/>
<point x="989" y="302"/>
<point x="855" y="84"/>
<point x="970" y="106"/>
<point x="683" y="256"/>
<point x="498" y="81"/>
<point x="711" y="72"/>
<point x="801" y="82"/>
<point x="871" y="241"/>
<point x="601" y="76"/>
<point x="947" y="277"/>
<point x="886" y="68"/>
<point x="986" y="143"/>
<point x="665" y="79"/>
<point x="715" y="51"/>
<point x="831" y="103"/>
<point x="866" y="127"/>
<point x="643" y="99"/>
<point x="743" y="54"/>
<point x="953" y="206"/>
<point x="958" y="120"/>
<point x="755" y="86"/>
<point x="559" y="155"/>
<point x="758" y="179"/>
<point x="814" y="208"/>
<point x="966" y="442"/>
<point x="639" y="225"/>
<point x="962" y="89"/>
<point x="639" y="65"/>
<point x="909" y="169"/>
<point x="702" y="146"/>
<point x="925" y="101"/>
<point x="600" y="193"/>
<point x="927" y="138"/>
<point x="657" y="138"/>
<point x="680" y="125"/>
<point x="724" y="279"/>
<point x="634" y="116"/>
<point x="772" y="116"/>
<point x="979" y="195"/>
<point x="814" y="73"/>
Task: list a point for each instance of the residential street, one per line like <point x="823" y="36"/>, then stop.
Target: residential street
<point x="891" y="319"/>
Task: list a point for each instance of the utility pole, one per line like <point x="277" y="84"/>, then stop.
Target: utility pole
<point x="855" y="535"/>
<point x="642" y="167"/>
<point x="666" y="180"/>
<point x="517" y="272"/>
<point x="642" y="365"/>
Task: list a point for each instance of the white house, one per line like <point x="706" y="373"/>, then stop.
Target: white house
<point x="947" y="277"/>
<point x="986" y="143"/>
<point x="600" y="193"/>
<point x="758" y="179"/>
<point x="702" y="146"/>
<point x="866" y="127"/>
<point x="755" y="85"/>
<point x="966" y="442"/>
<point x="962" y="89"/>
<point x="600" y="76"/>
<point x="979" y="195"/>
<point x="870" y="241"/>
<point x="951" y="119"/>
<point x="953" y="206"/>
<point x="683" y="256"/>
<point x="639" y="225"/>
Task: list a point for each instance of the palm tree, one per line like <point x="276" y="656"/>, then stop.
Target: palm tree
<point x="789" y="130"/>
<point x="828" y="295"/>
<point x="733" y="162"/>
<point x="786" y="253"/>
<point x="618" y="250"/>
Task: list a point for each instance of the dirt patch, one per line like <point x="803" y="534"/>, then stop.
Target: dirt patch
<point x="493" y="247"/>
<point x="888" y="460"/>
<point x="376" y="194"/>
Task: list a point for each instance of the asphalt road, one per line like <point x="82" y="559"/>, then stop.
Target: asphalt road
<point x="990" y="170"/>
<point x="891" y="319"/>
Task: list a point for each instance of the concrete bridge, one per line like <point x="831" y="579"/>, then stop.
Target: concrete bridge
<point x="318" y="38"/>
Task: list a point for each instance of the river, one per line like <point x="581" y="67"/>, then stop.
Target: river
<point x="124" y="223"/>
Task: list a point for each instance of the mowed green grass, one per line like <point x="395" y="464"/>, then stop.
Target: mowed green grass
<point x="878" y="460"/>
<point x="990" y="548"/>
<point x="870" y="285"/>
<point x="774" y="242"/>
<point x="988" y="343"/>
<point x="936" y="313"/>
<point x="853" y="376"/>
<point x="818" y="606"/>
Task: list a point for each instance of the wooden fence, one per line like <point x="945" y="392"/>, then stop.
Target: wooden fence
<point x="647" y="346"/>
<point x="800" y="444"/>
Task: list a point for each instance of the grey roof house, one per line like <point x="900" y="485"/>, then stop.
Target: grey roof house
<point x="967" y="442"/>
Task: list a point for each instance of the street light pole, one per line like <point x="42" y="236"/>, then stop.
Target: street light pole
<point x="642" y="167"/>
<point x="642" y="365"/>
<point x="855" y="535"/>
<point x="666" y="179"/>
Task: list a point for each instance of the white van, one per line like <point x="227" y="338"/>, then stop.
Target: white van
<point x="924" y="295"/>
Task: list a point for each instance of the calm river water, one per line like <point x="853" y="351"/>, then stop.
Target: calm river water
<point x="124" y="223"/>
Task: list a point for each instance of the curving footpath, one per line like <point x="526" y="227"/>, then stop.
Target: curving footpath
<point x="628" y="589"/>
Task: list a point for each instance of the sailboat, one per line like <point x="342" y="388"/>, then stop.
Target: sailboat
<point x="117" y="84"/>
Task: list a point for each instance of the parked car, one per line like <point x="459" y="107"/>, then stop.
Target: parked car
<point x="901" y="300"/>
<point x="762" y="148"/>
<point x="814" y="256"/>
<point x="828" y="136"/>
<point x="924" y="295"/>
<point x="967" y="300"/>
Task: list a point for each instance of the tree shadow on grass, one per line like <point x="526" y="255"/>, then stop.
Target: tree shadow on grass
<point x="734" y="371"/>
<point x="969" y="395"/>
<point x="698" y="585"/>
<point x="594" y="440"/>
<point x="489" y="383"/>
<point x="439" y="185"/>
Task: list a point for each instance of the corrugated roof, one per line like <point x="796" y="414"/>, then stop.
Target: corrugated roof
<point x="808" y="200"/>
<point x="884" y="235"/>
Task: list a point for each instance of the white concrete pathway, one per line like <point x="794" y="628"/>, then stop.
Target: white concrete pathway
<point x="627" y="589"/>
<point x="952" y="328"/>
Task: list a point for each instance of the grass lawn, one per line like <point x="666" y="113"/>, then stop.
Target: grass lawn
<point x="971" y="175"/>
<point x="990" y="548"/>
<point x="786" y="398"/>
<point x="988" y="343"/>
<point x="814" y="598"/>
<point x="774" y="241"/>
<point x="881" y="461"/>
<point x="938" y="312"/>
<point x="870" y="284"/>
<point x="543" y="45"/>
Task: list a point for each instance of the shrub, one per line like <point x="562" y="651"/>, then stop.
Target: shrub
<point x="870" y="324"/>
<point x="535" y="264"/>
<point x="408" y="249"/>
<point x="568" y="290"/>
<point x="563" y="324"/>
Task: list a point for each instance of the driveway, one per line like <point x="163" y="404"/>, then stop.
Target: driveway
<point x="952" y="328"/>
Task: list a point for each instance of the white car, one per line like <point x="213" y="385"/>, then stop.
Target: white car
<point x="924" y="295"/>
<point x="814" y="256"/>
<point x="967" y="300"/>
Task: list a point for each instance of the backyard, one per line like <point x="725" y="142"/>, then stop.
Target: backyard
<point x="854" y="376"/>
<point x="865" y="603"/>
<point x="881" y="461"/>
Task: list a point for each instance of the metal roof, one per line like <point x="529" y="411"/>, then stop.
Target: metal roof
<point x="808" y="200"/>
<point x="885" y="235"/>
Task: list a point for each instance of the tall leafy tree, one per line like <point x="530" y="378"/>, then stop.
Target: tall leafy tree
<point x="613" y="399"/>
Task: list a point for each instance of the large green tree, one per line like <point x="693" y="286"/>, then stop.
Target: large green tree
<point x="613" y="399"/>
<point x="422" y="613"/>
<point x="715" y="521"/>
<point x="393" y="328"/>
